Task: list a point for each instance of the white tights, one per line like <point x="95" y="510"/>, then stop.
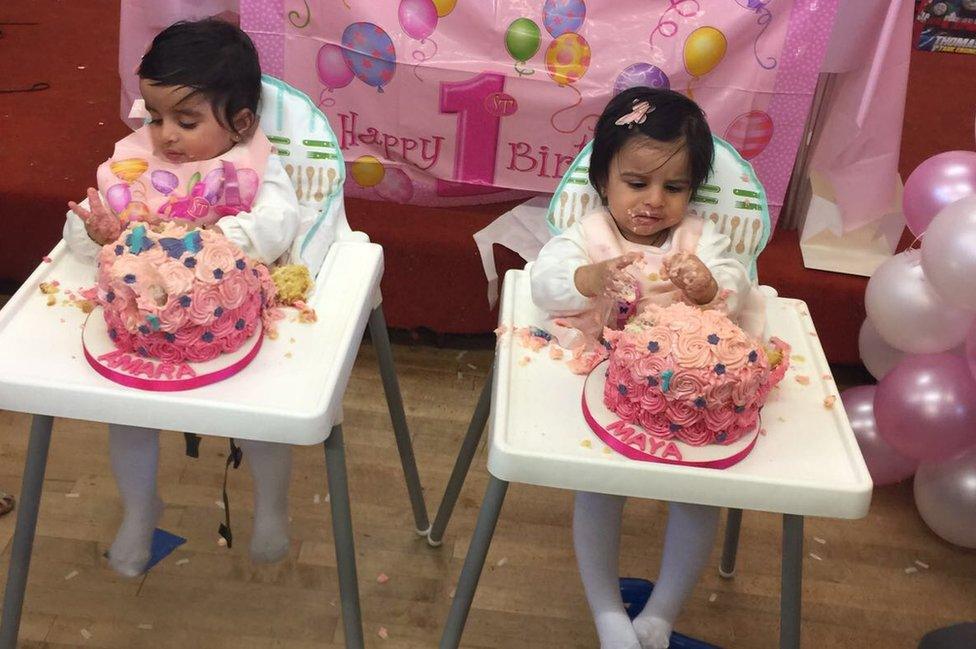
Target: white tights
<point x="134" y="452"/>
<point x="596" y="536"/>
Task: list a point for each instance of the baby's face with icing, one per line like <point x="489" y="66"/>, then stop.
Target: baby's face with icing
<point x="183" y="126"/>
<point x="648" y="188"/>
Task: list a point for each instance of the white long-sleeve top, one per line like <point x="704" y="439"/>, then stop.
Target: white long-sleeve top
<point x="265" y="233"/>
<point x="554" y="287"/>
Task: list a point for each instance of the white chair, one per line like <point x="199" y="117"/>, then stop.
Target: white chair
<point x="43" y="372"/>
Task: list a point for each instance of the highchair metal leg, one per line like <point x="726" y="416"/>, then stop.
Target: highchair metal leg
<point x="732" y="524"/>
<point x="463" y="463"/>
<point x="20" y="553"/>
<point x="335" y="466"/>
<point x="381" y="341"/>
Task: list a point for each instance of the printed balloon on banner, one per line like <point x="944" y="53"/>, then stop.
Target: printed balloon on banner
<point x="369" y="53"/>
<point x="750" y="133"/>
<point x="396" y="186"/>
<point x="367" y="171"/>
<point x="568" y="58"/>
<point x="444" y="7"/>
<point x="704" y="49"/>
<point x="641" y="74"/>
<point x="418" y="18"/>
<point x="332" y="68"/>
<point x="522" y="42"/>
<point x="563" y="16"/>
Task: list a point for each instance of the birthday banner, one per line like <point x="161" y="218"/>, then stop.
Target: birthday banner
<point x="447" y="102"/>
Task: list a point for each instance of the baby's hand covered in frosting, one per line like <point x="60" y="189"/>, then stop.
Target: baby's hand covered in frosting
<point x="691" y="276"/>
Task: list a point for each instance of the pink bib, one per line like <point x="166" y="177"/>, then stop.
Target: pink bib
<point x="136" y="183"/>
<point x="603" y="242"/>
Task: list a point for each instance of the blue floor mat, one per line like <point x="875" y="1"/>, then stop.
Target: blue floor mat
<point x="163" y="543"/>
<point x="635" y="593"/>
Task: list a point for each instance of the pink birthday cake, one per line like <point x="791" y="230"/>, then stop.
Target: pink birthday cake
<point x="690" y="375"/>
<point x="179" y="294"/>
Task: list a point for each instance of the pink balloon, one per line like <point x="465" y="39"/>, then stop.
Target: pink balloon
<point x="925" y="407"/>
<point x="908" y="313"/>
<point x="877" y="355"/>
<point x="939" y="181"/>
<point x="949" y="253"/>
<point x="396" y="186"/>
<point x="886" y="465"/>
<point x="945" y="494"/>
<point x="118" y="196"/>
<point x="418" y="18"/>
<point x="332" y="68"/>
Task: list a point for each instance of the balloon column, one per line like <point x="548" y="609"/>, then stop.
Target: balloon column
<point x="921" y="307"/>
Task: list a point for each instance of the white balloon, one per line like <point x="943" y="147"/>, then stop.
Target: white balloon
<point x="949" y="253"/>
<point x="908" y="313"/>
<point x="876" y="354"/>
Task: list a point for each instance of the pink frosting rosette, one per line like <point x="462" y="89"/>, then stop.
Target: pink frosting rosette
<point x="200" y="351"/>
<point x="733" y="352"/>
<point x="217" y="255"/>
<point x="234" y="340"/>
<point x="203" y="302"/>
<point x="681" y="413"/>
<point x="696" y="434"/>
<point x="719" y="419"/>
<point x="172" y="317"/>
<point x="176" y="278"/>
<point x="693" y="350"/>
<point x="652" y="401"/>
<point x="687" y="384"/>
<point x="224" y="325"/>
<point x="626" y="409"/>
<point x="165" y="351"/>
<point x="233" y="290"/>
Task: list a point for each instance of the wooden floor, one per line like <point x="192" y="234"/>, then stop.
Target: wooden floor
<point x="856" y="590"/>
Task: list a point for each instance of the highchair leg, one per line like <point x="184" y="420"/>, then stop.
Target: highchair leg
<point x="20" y="553"/>
<point x="463" y="462"/>
<point x="381" y="341"/>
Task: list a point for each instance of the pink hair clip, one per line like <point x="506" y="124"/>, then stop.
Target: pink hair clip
<point x="637" y="115"/>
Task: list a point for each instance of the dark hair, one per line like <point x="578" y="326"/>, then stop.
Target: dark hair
<point x="213" y="57"/>
<point x="675" y="117"/>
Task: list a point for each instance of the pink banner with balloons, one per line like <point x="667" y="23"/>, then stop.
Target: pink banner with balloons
<point x="439" y="102"/>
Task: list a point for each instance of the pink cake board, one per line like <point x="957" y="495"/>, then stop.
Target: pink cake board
<point x="606" y="425"/>
<point x="134" y="371"/>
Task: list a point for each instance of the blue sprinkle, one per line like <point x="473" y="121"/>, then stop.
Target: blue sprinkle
<point x="112" y="334"/>
<point x="129" y="279"/>
<point x="666" y="380"/>
<point x="240" y="264"/>
<point x="190" y="262"/>
<point x="207" y="337"/>
<point x="142" y="351"/>
<point x="712" y="339"/>
<point x="255" y="271"/>
<point x="753" y="356"/>
<point x="541" y="333"/>
<point x="721" y="437"/>
<point x="185" y="301"/>
<point x="119" y="250"/>
<point x="700" y="402"/>
<point x="674" y="428"/>
<point x="110" y="296"/>
<point x="621" y="388"/>
<point x="653" y="346"/>
<point x="143" y="329"/>
<point x="240" y="324"/>
<point x="606" y="344"/>
<point x="219" y="311"/>
<point x="218" y="273"/>
<point x="652" y="381"/>
<point x="169" y="337"/>
<point x="740" y="408"/>
<point x="719" y="369"/>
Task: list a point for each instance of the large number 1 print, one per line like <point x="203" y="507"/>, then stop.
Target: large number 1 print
<point x="476" y="142"/>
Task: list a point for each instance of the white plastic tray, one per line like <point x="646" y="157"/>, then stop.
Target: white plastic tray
<point x="807" y="463"/>
<point x="293" y="399"/>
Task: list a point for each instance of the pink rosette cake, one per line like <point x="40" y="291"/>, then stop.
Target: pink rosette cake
<point x="690" y="375"/>
<point x="180" y="295"/>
